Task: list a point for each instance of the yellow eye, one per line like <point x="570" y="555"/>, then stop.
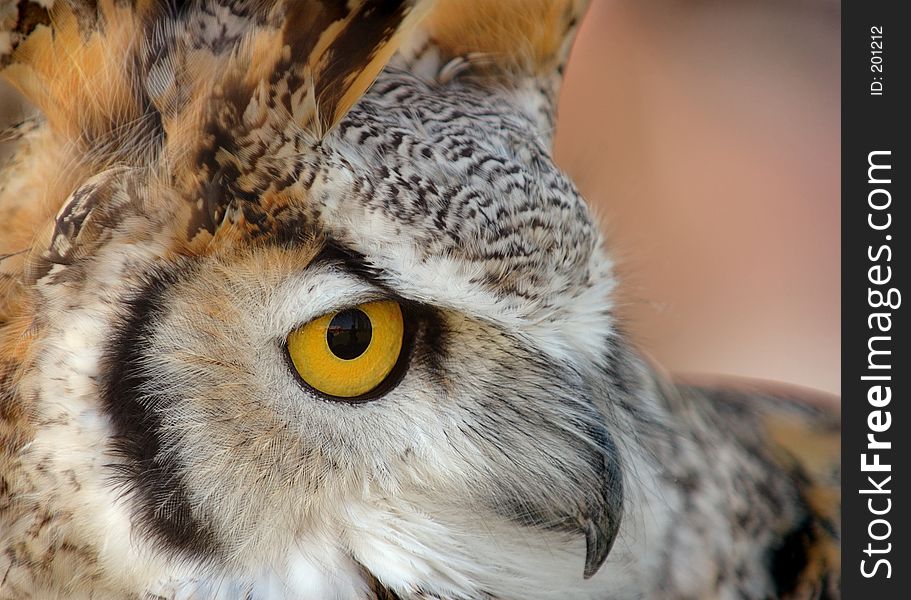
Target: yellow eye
<point x="349" y="353"/>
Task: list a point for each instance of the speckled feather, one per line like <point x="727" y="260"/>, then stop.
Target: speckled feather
<point x="205" y="176"/>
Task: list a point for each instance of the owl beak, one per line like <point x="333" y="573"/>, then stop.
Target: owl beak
<point x="600" y="521"/>
<point x="599" y="539"/>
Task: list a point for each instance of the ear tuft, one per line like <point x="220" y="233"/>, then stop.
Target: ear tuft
<point x="345" y="48"/>
<point x="515" y="37"/>
<point x="507" y="45"/>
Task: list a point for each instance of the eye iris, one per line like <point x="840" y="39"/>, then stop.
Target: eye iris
<point x="349" y="334"/>
<point x="349" y="354"/>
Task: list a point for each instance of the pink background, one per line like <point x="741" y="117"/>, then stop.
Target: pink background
<point x="707" y="137"/>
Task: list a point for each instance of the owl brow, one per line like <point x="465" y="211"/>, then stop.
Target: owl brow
<point x="354" y="262"/>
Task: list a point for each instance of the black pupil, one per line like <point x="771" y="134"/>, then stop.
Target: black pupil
<point x="349" y="334"/>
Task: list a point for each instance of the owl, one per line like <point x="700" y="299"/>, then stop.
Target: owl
<point x="296" y="305"/>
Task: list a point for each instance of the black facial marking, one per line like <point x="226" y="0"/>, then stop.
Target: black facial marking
<point x="154" y="479"/>
<point x="433" y="339"/>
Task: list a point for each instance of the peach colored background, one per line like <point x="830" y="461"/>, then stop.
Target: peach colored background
<point x="706" y="135"/>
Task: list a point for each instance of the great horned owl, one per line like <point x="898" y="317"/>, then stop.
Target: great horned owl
<point x="296" y="305"/>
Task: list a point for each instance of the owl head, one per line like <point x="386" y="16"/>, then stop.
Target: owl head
<point x="298" y="289"/>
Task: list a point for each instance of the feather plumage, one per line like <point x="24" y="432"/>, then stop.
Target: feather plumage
<point x="207" y="176"/>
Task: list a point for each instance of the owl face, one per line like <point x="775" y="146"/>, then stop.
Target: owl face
<point x="233" y="434"/>
<point x="383" y="348"/>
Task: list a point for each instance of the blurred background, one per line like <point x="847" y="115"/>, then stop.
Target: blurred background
<point x="706" y="135"/>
